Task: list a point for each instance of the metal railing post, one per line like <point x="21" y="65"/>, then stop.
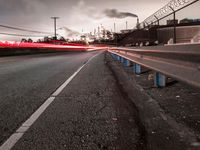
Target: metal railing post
<point x="174" y="23"/>
<point x="137" y="69"/>
<point x="159" y="80"/>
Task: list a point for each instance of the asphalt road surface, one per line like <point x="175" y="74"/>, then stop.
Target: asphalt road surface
<point x="90" y="113"/>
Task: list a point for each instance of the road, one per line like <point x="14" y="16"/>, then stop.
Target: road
<point x="90" y="113"/>
<point x="26" y="81"/>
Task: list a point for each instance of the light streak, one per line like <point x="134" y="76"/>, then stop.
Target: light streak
<point x="63" y="47"/>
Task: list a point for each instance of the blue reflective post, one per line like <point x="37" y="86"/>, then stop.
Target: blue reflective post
<point x="127" y="63"/>
<point x="159" y="80"/>
<point x="137" y="69"/>
<point x="115" y="56"/>
<point x="122" y="60"/>
<point x="118" y="58"/>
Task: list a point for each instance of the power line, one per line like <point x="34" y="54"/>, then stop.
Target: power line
<point x="21" y="35"/>
<point x="21" y="29"/>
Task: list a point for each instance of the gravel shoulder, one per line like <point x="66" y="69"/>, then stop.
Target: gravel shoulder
<point x="179" y="100"/>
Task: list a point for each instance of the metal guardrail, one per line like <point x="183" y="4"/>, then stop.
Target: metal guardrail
<point x="179" y="62"/>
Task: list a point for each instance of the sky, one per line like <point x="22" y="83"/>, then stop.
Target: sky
<point x="77" y="15"/>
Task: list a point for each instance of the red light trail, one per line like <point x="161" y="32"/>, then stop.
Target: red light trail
<point x="63" y="47"/>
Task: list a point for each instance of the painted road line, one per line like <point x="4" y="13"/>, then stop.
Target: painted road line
<point x="60" y="89"/>
<point x="12" y="140"/>
<point x="26" y="125"/>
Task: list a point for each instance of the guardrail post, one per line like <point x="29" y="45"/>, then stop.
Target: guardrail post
<point x="159" y="80"/>
<point x="118" y="58"/>
<point x="137" y="69"/>
<point x="115" y="56"/>
<point x="122" y="60"/>
<point x="127" y="63"/>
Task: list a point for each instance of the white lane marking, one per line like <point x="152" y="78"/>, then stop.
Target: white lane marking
<point x="12" y="140"/>
<point x="60" y="89"/>
<point x="37" y="113"/>
<point x="26" y="125"/>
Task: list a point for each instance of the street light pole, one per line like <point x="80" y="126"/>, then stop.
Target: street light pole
<point x="55" y="18"/>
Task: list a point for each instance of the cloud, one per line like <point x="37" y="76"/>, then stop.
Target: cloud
<point x="84" y="10"/>
<point x="114" y="13"/>
<point x="68" y="33"/>
<point x="19" y="7"/>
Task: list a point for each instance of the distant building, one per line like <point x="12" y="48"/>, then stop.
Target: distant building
<point x="126" y="31"/>
<point x="171" y="22"/>
<point x="196" y="20"/>
<point x="186" y="20"/>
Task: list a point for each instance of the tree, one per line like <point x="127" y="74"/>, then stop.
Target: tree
<point x="30" y="40"/>
<point x="23" y="40"/>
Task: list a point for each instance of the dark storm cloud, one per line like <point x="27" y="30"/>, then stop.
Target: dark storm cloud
<point x="114" y="13"/>
<point x="9" y="6"/>
<point x="27" y="13"/>
<point x="29" y="7"/>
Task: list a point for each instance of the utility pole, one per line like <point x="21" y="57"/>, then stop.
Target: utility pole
<point x="55" y="18"/>
<point x="126" y="25"/>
